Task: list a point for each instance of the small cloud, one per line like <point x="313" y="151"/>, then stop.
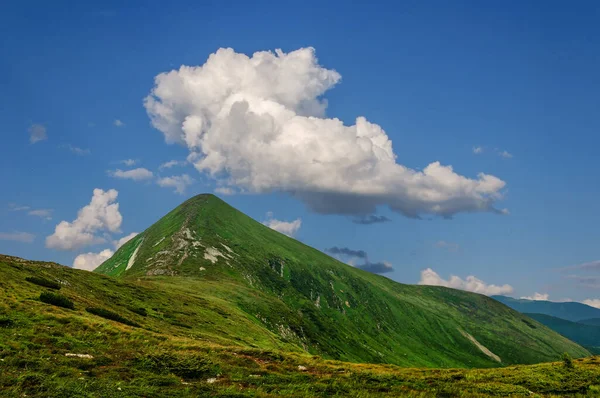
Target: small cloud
<point x="180" y="183"/>
<point x="123" y="240"/>
<point x="90" y="261"/>
<point x="347" y="252"/>
<point x="42" y="213"/>
<point x="128" y="162"/>
<point x="477" y="150"/>
<point x="370" y="219"/>
<point x="287" y="228"/>
<point x="23" y="237"/>
<point x="471" y="284"/>
<point x="377" y="268"/>
<point x="588" y="266"/>
<point x="592" y="302"/>
<point x="37" y="133"/>
<point x="77" y="150"/>
<point x="352" y="256"/>
<point x="172" y="163"/>
<point x="224" y="191"/>
<point x="450" y="246"/>
<point x="592" y="282"/>
<point x="118" y="123"/>
<point x="138" y="174"/>
<point x="505" y="154"/>
<point x="537" y="297"/>
<point x="15" y="207"/>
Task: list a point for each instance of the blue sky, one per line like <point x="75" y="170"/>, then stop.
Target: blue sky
<point x="440" y="79"/>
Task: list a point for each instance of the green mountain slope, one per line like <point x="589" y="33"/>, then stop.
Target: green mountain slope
<point x="571" y="311"/>
<point x="185" y="342"/>
<point x="301" y="298"/>
<point x="586" y="335"/>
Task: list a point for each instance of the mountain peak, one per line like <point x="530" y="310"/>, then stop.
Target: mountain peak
<point x="320" y="305"/>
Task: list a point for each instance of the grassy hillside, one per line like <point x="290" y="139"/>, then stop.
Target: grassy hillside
<point x="190" y="342"/>
<point x="304" y="298"/>
<point x="585" y="335"/>
<point x="571" y="311"/>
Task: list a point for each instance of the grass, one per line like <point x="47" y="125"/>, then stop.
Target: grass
<point x="223" y="354"/>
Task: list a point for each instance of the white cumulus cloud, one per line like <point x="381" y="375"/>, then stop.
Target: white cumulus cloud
<point x="90" y="261"/>
<point x="537" y="296"/>
<point x="180" y="183"/>
<point x="258" y="124"/>
<point x="138" y="174"/>
<point x="288" y="228"/>
<point x="101" y="214"/>
<point x="471" y="284"/>
<point x="477" y="150"/>
<point x="118" y="123"/>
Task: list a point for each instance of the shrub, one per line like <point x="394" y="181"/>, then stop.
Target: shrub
<point x="57" y="300"/>
<point x="567" y="361"/>
<point x="6" y="322"/>
<point x="185" y="365"/>
<point x="43" y="282"/>
<point x="138" y="310"/>
<point x="113" y="316"/>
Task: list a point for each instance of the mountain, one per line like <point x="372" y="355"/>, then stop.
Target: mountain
<point x="285" y="294"/>
<point x="591" y="321"/>
<point x="586" y="335"/>
<point x="72" y="333"/>
<point x="570" y="311"/>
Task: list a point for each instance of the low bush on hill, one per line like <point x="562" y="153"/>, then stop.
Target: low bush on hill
<point x="43" y="282"/>
<point x="57" y="300"/>
<point x="113" y="316"/>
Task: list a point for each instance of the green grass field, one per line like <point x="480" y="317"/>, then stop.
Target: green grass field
<point x="174" y="353"/>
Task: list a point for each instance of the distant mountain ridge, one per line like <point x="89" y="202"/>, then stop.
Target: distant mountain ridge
<point x="298" y="296"/>
<point x="586" y="335"/>
<point x="570" y="311"/>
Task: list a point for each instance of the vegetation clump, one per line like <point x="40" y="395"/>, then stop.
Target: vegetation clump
<point x="57" y="299"/>
<point x="113" y="316"/>
<point x="186" y="365"/>
<point x="37" y="280"/>
<point x="139" y="310"/>
<point x="567" y="361"/>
